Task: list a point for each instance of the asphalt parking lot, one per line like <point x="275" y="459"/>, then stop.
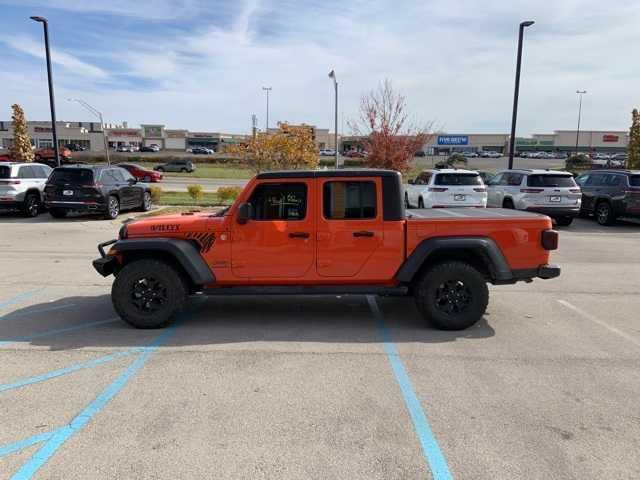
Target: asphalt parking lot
<point x="545" y="387"/>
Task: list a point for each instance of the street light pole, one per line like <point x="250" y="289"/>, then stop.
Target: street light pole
<point x="332" y="75"/>
<point x="267" y="89"/>
<point x="580" y="93"/>
<point x="516" y="92"/>
<point x="98" y="114"/>
<point x="49" y="76"/>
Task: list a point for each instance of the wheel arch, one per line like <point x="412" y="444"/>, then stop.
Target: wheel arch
<point x="481" y="252"/>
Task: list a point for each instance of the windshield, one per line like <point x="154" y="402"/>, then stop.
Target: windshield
<point x="76" y="175"/>
<point x="458" y="179"/>
<point x="634" y="180"/>
<point x="5" y="171"/>
<point x="550" y="180"/>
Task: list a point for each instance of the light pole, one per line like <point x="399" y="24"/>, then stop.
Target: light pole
<point x="52" y="103"/>
<point x="332" y="75"/>
<point x="580" y="93"/>
<point x="514" y="115"/>
<point x="98" y="114"/>
<point x="267" y="89"/>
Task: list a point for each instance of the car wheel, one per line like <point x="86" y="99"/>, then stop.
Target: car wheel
<point x="604" y="213"/>
<point x="159" y="169"/>
<point x="148" y="293"/>
<point x="452" y="295"/>
<point x="146" y="202"/>
<point x="57" y="212"/>
<point x="113" y="208"/>
<point x="508" y="203"/>
<point x="184" y="170"/>
<point x="406" y="201"/>
<point x="31" y="205"/>
<point x="420" y="203"/>
<point x="564" y="221"/>
<point x="146" y="178"/>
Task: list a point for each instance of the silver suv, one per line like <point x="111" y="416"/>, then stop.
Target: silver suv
<point x="552" y="193"/>
<point x="22" y="186"/>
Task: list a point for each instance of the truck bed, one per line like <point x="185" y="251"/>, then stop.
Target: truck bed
<point x="470" y="213"/>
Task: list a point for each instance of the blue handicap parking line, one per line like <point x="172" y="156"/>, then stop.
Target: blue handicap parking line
<point x="20" y="297"/>
<point x="430" y="448"/>
<point x="56" y="331"/>
<point x="25" y="443"/>
<point x="61" y="435"/>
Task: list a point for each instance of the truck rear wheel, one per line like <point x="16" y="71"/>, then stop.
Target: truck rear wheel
<point x="452" y="295"/>
<point x="148" y="293"/>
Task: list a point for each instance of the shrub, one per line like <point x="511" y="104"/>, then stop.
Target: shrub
<point x="226" y="194"/>
<point x="576" y="162"/>
<point x="195" y="191"/>
<point x="156" y="193"/>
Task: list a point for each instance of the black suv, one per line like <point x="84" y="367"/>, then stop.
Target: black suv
<point x="176" y="166"/>
<point x="94" y="189"/>
<point x="610" y="194"/>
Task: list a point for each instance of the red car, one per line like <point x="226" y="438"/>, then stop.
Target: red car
<point x="141" y="173"/>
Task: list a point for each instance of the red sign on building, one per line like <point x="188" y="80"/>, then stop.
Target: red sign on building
<point x="611" y="138"/>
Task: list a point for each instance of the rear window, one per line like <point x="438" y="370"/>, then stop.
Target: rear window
<point x="550" y="180"/>
<point x="5" y="171"/>
<point x="79" y="176"/>
<point x="458" y="179"/>
<point x="634" y="180"/>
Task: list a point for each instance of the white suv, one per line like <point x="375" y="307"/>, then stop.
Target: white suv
<point x="448" y="187"/>
<point x="552" y="193"/>
<point x="22" y="186"/>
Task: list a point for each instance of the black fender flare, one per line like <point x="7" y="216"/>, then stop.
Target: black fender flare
<point x="484" y="247"/>
<point x="185" y="252"/>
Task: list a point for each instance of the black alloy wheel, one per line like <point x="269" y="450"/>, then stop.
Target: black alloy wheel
<point x="148" y="295"/>
<point x="453" y="297"/>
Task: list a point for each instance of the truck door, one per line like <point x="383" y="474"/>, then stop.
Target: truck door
<point x="350" y="227"/>
<point x="279" y="242"/>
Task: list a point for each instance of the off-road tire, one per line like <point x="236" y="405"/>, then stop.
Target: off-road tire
<point x="508" y="203"/>
<point x="604" y="213"/>
<point x="564" y="221"/>
<point x="420" y="203"/>
<point x="31" y="205"/>
<point x="113" y="208"/>
<point x="452" y="295"/>
<point x="57" y="212"/>
<point x="133" y="289"/>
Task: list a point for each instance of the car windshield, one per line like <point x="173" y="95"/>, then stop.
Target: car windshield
<point x="550" y="180"/>
<point x="634" y="180"/>
<point x="458" y="179"/>
<point x="72" y="175"/>
<point x="5" y="171"/>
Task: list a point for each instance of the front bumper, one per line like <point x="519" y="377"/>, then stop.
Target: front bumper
<point x="555" y="211"/>
<point x="105" y="265"/>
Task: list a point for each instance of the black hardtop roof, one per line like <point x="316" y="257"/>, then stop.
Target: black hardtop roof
<point x="343" y="172"/>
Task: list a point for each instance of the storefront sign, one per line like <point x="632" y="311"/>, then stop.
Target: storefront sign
<point x="611" y="138"/>
<point x="201" y="135"/>
<point x="526" y="141"/>
<point x="152" y="131"/>
<point x="124" y="133"/>
<point x="453" y="140"/>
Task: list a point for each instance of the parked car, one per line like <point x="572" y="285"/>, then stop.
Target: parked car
<point x="22" y="186"/>
<point x="327" y="153"/>
<point x="202" y="151"/>
<point x="354" y="154"/>
<point x="553" y="193"/>
<point x="74" y="147"/>
<point x="486" y="176"/>
<point x="179" y="165"/>
<point x="610" y="194"/>
<point x="420" y="153"/>
<point x="49" y="155"/>
<point x="107" y="190"/>
<point x="334" y="232"/>
<point x="125" y="149"/>
<point x="490" y="154"/>
<point x="470" y="154"/>
<point x="150" y="148"/>
<point x="140" y="173"/>
<point x="446" y="188"/>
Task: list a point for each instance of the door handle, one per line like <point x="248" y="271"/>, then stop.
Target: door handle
<point x="299" y="235"/>
<point x="363" y="233"/>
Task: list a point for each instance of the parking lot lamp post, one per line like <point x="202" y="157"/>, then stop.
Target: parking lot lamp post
<point x="51" y="96"/>
<point x="580" y="93"/>
<point x="267" y="89"/>
<point x="98" y="114"/>
<point x="512" y="140"/>
<point x="332" y="75"/>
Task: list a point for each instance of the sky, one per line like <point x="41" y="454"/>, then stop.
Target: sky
<point x="201" y="65"/>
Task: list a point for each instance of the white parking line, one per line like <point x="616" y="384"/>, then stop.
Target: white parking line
<point x="594" y="319"/>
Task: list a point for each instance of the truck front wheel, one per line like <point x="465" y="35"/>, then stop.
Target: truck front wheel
<point x="147" y="293"/>
<point x="452" y="295"/>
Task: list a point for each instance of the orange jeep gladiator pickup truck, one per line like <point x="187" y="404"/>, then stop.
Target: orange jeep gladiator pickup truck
<point x="326" y="232"/>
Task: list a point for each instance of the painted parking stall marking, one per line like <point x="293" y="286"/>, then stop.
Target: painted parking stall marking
<point x="430" y="448"/>
<point x="19" y="298"/>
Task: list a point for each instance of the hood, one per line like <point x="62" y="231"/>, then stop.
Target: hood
<point x="179" y="225"/>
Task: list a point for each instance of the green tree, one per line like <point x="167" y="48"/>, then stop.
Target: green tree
<point x="633" y="162"/>
<point x="21" y="150"/>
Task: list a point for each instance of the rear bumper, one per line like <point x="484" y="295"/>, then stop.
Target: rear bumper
<point x="10" y="205"/>
<point x="77" y="206"/>
<point x="555" y="211"/>
<point x="544" y="272"/>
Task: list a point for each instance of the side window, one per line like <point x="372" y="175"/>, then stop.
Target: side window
<point x="107" y="177"/>
<point x="279" y="201"/>
<point x="595" y="180"/>
<point x="118" y="175"/>
<point x="125" y="175"/>
<point x="504" y="180"/>
<point x="349" y="200"/>
<point x="423" y="179"/>
<point x="514" y="179"/>
<point x="583" y="179"/>
<point x="26" y="171"/>
<point x="614" y="180"/>
<point x="39" y="171"/>
<point x="496" y="179"/>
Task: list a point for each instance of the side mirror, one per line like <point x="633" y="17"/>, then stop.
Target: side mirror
<point x="245" y="213"/>
<point x="132" y="181"/>
<point x="412" y="182"/>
